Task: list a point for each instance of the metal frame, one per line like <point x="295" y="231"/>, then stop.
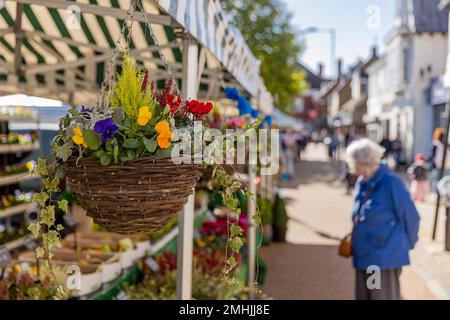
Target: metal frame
<point x="82" y="88"/>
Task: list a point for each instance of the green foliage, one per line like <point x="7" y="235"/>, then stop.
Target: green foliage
<point x="280" y="217"/>
<point x="204" y="287"/>
<point x="64" y="151"/>
<point x="265" y="207"/>
<point x="150" y="145"/>
<point x="41" y="168"/>
<point x="267" y="28"/>
<point x="92" y="139"/>
<point x="127" y="94"/>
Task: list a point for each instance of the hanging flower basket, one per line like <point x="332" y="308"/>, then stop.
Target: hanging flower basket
<point x="139" y="196"/>
<point x="118" y="154"/>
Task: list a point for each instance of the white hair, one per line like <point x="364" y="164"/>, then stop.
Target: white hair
<point x="364" y="151"/>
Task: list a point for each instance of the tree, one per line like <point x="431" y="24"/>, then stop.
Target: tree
<point x="266" y="26"/>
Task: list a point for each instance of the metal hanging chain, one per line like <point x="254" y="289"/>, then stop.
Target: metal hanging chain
<point x="161" y="53"/>
<point x="109" y="76"/>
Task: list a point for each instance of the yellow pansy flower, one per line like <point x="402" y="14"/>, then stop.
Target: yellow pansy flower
<point x="144" y="116"/>
<point x="163" y="142"/>
<point x="164" y="136"/>
<point x="30" y="165"/>
<point x="162" y="126"/>
<point x="78" y="136"/>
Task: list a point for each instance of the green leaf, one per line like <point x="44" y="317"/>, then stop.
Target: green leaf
<point x="92" y="139"/>
<point x="166" y="110"/>
<point x="257" y="218"/>
<point x="63" y="205"/>
<point x="236" y="244"/>
<point x="106" y="159"/>
<point x="100" y="153"/>
<point x="109" y="145"/>
<point x="236" y="231"/>
<point x="116" y="152"/>
<point x="123" y="158"/>
<point x="128" y="122"/>
<point x="150" y="145"/>
<point x="53" y="185"/>
<point x="118" y="115"/>
<point x="131" y="143"/>
<point x="47" y="216"/>
<point x="63" y="152"/>
<point x="231" y="262"/>
<point x="41" y="168"/>
<point x="40" y="252"/>
<point x="131" y="154"/>
<point x="40" y="198"/>
<point x="59" y="227"/>
<point x="52" y="239"/>
<point x="34" y="228"/>
<point x="166" y="152"/>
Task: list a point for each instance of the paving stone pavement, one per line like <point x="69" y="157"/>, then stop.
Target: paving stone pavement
<point x="308" y="267"/>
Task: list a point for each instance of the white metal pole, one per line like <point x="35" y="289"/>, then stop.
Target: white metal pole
<point x="251" y="233"/>
<point x="186" y="218"/>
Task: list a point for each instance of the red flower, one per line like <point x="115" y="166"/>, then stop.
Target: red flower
<point x="198" y="109"/>
<point x="144" y="82"/>
<point x="168" y="98"/>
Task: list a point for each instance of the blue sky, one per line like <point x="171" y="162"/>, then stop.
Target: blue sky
<point x="359" y="24"/>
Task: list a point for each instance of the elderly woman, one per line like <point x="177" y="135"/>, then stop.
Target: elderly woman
<point x="386" y="224"/>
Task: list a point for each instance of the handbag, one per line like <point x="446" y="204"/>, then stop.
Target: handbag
<point x="346" y="245"/>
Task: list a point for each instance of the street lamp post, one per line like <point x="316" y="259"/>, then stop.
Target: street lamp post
<point x="332" y="33"/>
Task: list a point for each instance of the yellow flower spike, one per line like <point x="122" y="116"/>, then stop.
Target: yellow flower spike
<point x="162" y="126"/>
<point x="144" y="116"/>
<point x="78" y="136"/>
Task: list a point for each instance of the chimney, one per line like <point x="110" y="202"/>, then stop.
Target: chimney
<point x="339" y="70"/>
<point x="375" y="51"/>
<point x="321" y="70"/>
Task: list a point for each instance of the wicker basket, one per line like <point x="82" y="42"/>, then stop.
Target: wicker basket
<point x="136" y="197"/>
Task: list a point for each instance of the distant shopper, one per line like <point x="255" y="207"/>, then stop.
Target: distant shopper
<point x="290" y="143"/>
<point x="302" y="142"/>
<point x="397" y="151"/>
<point x="387" y="145"/>
<point x="418" y="173"/>
<point x="436" y="158"/>
<point x="386" y="223"/>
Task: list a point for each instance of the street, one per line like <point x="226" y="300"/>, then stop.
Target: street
<point x="308" y="267"/>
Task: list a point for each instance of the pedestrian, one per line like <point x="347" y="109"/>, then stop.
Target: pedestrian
<point x="387" y="145"/>
<point x="397" y="151"/>
<point x="332" y="142"/>
<point x="302" y="143"/>
<point x="418" y="173"/>
<point x="289" y="142"/>
<point x="386" y="224"/>
<point x="436" y="158"/>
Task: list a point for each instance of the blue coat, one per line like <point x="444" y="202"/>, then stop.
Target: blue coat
<point x="389" y="222"/>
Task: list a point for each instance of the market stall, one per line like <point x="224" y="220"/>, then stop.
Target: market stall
<point x="65" y="49"/>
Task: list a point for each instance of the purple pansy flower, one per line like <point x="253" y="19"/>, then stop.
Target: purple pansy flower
<point x="105" y="128"/>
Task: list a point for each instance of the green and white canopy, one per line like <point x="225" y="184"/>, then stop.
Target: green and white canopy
<point x="60" y="49"/>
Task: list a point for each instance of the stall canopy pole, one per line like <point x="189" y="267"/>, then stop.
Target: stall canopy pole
<point x="442" y="171"/>
<point x="186" y="218"/>
<point x="251" y="231"/>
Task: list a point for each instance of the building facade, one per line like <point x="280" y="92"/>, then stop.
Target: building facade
<point x="416" y="50"/>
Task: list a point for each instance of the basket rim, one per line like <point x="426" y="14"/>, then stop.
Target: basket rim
<point x="74" y="160"/>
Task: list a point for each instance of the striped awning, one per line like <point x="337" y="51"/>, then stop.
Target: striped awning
<point x="60" y="49"/>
